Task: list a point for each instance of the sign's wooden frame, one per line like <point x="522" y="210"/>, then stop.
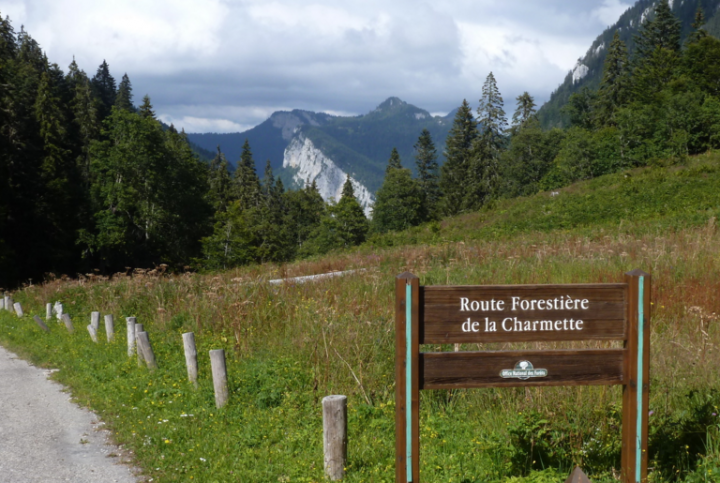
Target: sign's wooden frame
<point x="431" y="315"/>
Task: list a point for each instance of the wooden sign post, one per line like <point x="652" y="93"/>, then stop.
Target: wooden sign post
<point x="522" y="313"/>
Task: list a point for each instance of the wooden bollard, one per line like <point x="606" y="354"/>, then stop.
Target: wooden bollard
<point x="335" y="436"/>
<point x="130" y="335"/>
<point x="48" y="311"/>
<point x="2" y="303"/>
<point x="110" y="327"/>
<point x="190" y="357"/>
<point x="219" y="375"/>
<point x="6" y="302"/>
<point x="93" y="332"/>
<point x="140" y="356"/>
<point x="42" y="325"/>
<point x="10" y="305"/>
<point x="18" y="309"/>
<point x="95" y="320"/>
<point x="68" y="323"/>
<point x="145" y="347"/>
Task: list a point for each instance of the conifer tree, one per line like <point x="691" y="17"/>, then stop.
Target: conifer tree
<point x="123" y="100"/>
<point x="105" y="89"/>
<point x="394" y="162"/>
<point x="614" y="87"/>
<point x="306" y="209"/>
<point x="660" y="31"/>
<point x="220" y="183"/>
<point x="352" y="222"/>
<point x="428" y="178"/>
<point x="525" y="109"/>
<point x="458" y="152"/>
<point x="146" y="109"/>
<point x="246" y="182"/>
<point x="484" y="169"/>
<point x="698" y="33"/>
<point x="398" y="204"/>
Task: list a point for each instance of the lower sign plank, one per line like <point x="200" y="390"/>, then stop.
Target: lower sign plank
<point x="451" y="370"/>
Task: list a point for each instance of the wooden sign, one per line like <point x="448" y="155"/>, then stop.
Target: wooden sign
<point x="522" y="313"/>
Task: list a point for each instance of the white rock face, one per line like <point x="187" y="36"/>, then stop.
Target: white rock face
<point x="580" y="71"/>
<point x="313" y="165"/>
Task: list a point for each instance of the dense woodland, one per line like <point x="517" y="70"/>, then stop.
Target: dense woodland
<point x="90" y="182"/>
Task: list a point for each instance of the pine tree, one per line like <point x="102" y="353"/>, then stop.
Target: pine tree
<point x="698" y="33"/>
<point x="581" y="108"/>
<point x="146" y="109"/>
<point x="220" y="183"/>
<point x="484" y="172"/>
<point x="305" y="208"/>
<point x="398" y="204"/>
<point x="123" y="100"/>
<point x="428" y="178"/>
<point x="246" y="182"/>
<point x="454" y="173"/>
<point x="614" y="87"/>
<point x="105" y="89"/>
<point x="394" y="162"/>
<point x="352" y="222"/>
<point x="525" y="109"/>
<point x="660" y="31"/>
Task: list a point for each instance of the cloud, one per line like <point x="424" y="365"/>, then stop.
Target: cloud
<point x="218" y="64"/>
<point x="202" y="124"/>
<point x="610" y="11"/>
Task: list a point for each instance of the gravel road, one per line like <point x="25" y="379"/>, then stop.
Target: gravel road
<point x="45" y="438"/>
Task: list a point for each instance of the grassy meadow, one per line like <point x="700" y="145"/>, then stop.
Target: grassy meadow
<point x="290" y="345"/>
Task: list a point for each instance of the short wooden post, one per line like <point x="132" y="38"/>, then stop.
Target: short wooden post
<point x="10" y="304"/>
<point x="93" y="333"/>
<point x="145" y="347"/>
<point x="48" y="311"/>
<point x="140" y="355"/>
<point x="42" y="325"/>
<point x="18" y="309"/>
<point x="219" y="374"/>
<point x="6" y="302"/>
<point x="110" y="327"/>
<point x="636" y="393"/>
<point x="190" y="357"/>
<point x="95" y="320"/>
<point x="335" y="436"/>
<point x="130" y="336"/>
<point x="2" y="303"/>
<point x="68" y="323"/>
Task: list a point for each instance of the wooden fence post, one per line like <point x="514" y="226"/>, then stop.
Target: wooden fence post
<point x="219" y="374"/>
<point x="110" y="327"/>
<point x="10" y="305"/>
<point x="68" y="323"/>
<point x="41" y="323"/>
<point x="145" y="347"/>
<point x="2" y="303"/>
<point x="18" y="309"/>
<point x="335" y="436"/>
<point x="95" y="320"/>
<point x="48" y="311"/>
<point x="130" y="335"/>
<point x="6" y="302"/>
<point x="190" y="357"/>
<point x="140" y="355"/>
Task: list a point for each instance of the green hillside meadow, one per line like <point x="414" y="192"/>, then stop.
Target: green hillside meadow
<point x="290" y="345"/>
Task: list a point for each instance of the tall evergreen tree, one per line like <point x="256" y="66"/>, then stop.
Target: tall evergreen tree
<point x="398" y="204"/>
<point x="394" y="162"/>
<point x="659" y="31"/>
<point x="428" y="178"/>
<point x="525" y="109"/>
<point x="220" y="183"/>
<point x="105" y="89"/>
<point x="614" y="88"/>
<point x="146" y="108"/>
<point x="698" y="33"/>
<point x="484" y="170"/>
<point x="306" y="208"/>
<point x="246" y="181"/>
<point x="458" y="153"/>
<point x="352" y="222"/>
<point x="123" y="100"/>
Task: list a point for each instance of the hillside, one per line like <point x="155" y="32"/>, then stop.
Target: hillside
<point x="589" y="69"/>
<point x="289" y="345"/>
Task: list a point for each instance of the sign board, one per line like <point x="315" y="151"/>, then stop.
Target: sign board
<point x="522" y="313"/>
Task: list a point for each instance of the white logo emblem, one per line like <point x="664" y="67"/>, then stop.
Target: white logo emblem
<point x="523" y="370"/>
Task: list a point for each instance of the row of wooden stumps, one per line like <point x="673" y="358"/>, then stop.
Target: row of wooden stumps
<point x="138" y="344"/>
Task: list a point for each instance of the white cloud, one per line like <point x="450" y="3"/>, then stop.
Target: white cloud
<point x="201" y="124"/>
<point x="610" y="10"/>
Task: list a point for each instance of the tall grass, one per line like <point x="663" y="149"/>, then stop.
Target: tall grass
<point x="290" y="345"/>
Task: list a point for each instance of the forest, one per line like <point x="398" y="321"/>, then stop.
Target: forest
<point x="92" y="183"/>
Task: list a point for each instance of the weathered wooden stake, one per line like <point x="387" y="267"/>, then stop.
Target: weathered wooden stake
<point x="95" y="320"/>
<point x="335" y="436"/>
<point x="6" y="302"/>
<point x="48" y="311"/>
<point x="10" y="305"/>
<point x="68" y="323"/>
<point x="140" y="355"/>
<point x="41" y="323"/>
<point x="190" y="357"/>
<point x="219" y="374"/>
<point x="2" y="303"/>
<point x="145" y="347"/>
<point x="93" y="333"/>
<point x="110" y="327"/>
<point x="130" y="335"/>
<point x="18" y="309"/>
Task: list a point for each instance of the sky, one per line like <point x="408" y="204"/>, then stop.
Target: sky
<point x="227" y="65"/>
